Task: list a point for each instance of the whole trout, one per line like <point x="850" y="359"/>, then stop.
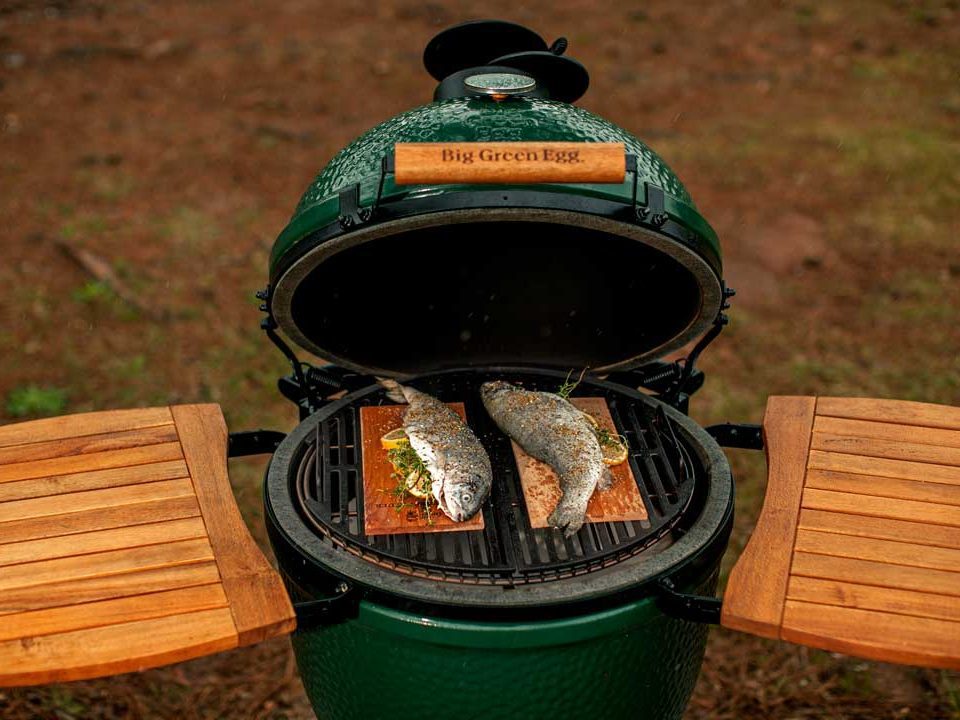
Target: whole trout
<point x="459" y="466"/>
<point x="550" y="429"/>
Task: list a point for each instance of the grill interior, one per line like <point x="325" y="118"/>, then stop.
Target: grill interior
<point x="569" y="309"/>
<point x="326" y="475"/>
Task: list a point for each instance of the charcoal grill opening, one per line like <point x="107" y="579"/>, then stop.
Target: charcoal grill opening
<point x="553" y="287"/>
<point x="315" y="498"/>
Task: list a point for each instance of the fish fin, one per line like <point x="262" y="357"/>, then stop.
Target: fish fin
<point x="394" y="390"/>
<point x="606" y="479"/>
<point x="567" y="517"/>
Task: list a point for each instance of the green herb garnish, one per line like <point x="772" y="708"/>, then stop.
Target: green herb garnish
<point x="405" y="463"/>
<point x="607" y="438"/>
<point x="568" y="387"/>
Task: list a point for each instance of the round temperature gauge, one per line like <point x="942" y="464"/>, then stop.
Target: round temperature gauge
<point x="500" y="85"/>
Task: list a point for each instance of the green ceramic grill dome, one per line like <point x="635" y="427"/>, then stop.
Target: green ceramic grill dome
<point x="481" y="120"/>
<point x="605" y="276"/>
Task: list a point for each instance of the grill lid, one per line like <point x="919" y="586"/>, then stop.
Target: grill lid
<point x="517" y="255"/>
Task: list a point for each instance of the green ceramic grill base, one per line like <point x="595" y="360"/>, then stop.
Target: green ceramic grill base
<point x="628" y="662"/>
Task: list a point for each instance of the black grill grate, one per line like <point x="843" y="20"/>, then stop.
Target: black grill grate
<point x="508" y="551"/>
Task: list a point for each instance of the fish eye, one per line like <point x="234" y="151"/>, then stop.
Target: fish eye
<point x="466" y="497"/>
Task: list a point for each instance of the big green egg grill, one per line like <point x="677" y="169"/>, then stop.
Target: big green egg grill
<point x="513" y="280"/>
<point x="500" y="232"/>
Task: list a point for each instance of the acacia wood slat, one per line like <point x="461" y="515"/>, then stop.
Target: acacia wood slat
<point x="121" y="547"/>
<point x="891" y="449"/>
<point x="92" y="480"/>
<point x="875" y="558"/>
<point x="931" y="492"/>
<point x="111" y="562"/>
<point x="868" y="572"/>
<point x="92" y="499"/>
<point x="884" y="467"/>
<point x="871" y="597"/>
<point x="117" y="648"/>
<point x="875" y="635"/>
<point x="66" y="447"/>
<point x="258" y="600"/>
<point x="102" y="540"/>
<point x="899" y="412"/>
<point x="893" y="552"/>
<point x="76" y="592"/>
<point x="82" y="424"/>
<point x="758" y="582"/>
<point x="886" y="431"/>
<point x="881" y="507"/>
<point x="99" y="519"/>
<point x="113" y="611"/>
<point x="882" y="528"/>
<point x="90" y="461"/>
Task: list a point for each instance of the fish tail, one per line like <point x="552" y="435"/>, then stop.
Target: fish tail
<point x="394" y="389"/>
<point x="606" y="479"/>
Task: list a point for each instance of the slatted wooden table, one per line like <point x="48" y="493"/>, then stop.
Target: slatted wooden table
<point x="857" y="549"/>
<point x="121" y="546"/>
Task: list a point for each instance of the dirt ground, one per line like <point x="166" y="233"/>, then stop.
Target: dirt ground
<point x="172" y="140"/>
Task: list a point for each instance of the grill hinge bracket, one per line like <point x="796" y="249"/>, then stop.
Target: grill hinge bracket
<point x="351" y="214"/>
<point x="328" y="611"/>
<point x="737" y="435"/>
<point x="253" y="442"/>
<point x="692" y="608"/>
<point x="653" y="212"/>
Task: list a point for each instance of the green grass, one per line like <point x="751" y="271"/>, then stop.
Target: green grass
<point x="84" y="226"/>
<point x="188" y="225"/>
<point x="950" y="685"/>
<point x="92" y="291"/>
<point x="34" y="400"/>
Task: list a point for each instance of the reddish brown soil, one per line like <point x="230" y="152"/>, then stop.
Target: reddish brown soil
<point x="172" y="139"/>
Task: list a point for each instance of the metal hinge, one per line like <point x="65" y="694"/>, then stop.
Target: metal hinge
<point x="253" y="442"/>
<point x="653" y="214"/>
<point x="351" y="214"/>
<point x="344" y="605"/>
<point x="737" y="435"/>
<point x="692" y="608"/>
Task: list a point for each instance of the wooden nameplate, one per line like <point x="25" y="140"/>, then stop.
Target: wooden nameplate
<point x="383" y="512"/>
<point x="121" y="546"/>
<point x="509" y="162"/>
<point x="857" y="548"/>
<point x="541" y="489"/>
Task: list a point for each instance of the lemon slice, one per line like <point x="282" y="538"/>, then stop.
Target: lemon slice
<point x="394" y="439"/>
<point x="418" y="485"/>
<point x="591" y="420"/>
<point x="614" y="452"/>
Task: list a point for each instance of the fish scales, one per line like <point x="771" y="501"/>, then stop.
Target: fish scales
<point x="549" y="428"/>
<point x="460" y="471"/>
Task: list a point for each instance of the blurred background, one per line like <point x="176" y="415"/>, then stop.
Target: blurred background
<point x="151" y="152"/>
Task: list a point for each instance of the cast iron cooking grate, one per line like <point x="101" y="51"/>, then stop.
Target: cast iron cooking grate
<point x="508" y="551"/>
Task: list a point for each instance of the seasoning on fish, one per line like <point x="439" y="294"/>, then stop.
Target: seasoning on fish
<point x="459" y="466"/>
<point x="550" y="429"/>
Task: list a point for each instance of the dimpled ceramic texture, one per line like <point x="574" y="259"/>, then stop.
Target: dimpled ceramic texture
<point x="480" y="120"/>
<point x="628" y="662"/>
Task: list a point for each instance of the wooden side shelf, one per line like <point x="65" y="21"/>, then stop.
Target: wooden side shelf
<point x="121" y="546"/>
<point x="857" y="548"/>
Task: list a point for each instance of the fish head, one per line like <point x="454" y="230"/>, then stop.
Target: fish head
<point x="461" y="495"/>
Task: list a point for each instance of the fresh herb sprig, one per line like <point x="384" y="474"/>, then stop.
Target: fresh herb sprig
<point x="568" y="387"/>
<point x="607" y="438"/>
<point x="405" y="463"/>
